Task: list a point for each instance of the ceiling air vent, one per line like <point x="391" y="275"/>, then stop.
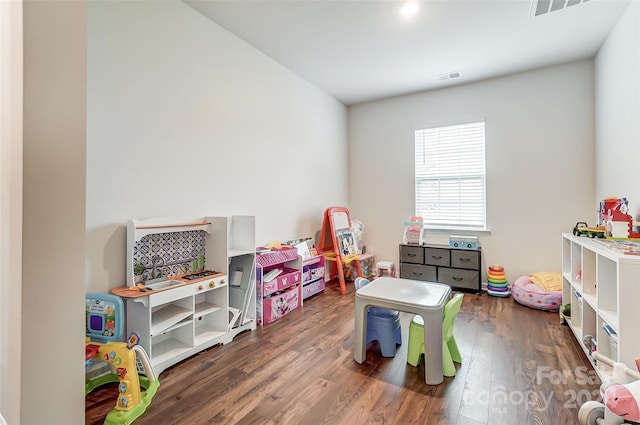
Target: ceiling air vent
<point x="542" y="7"/>
<point x="449" y="76"/>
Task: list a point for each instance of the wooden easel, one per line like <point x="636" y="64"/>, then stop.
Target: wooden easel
<point x="337" y="243"/>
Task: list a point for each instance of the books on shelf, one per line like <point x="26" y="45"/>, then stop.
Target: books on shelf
<point x="625" y="247"/>
<point x="271" y="274"/>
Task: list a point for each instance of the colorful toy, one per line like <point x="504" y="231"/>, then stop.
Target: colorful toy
<point x="581" y="229"/>
<point x="565" y="313"/>
<point x="618" y="223"/>
<point x="623" y="400"/>
<point x="108" y="360"/>
<point x="621" y="397"/>
<point x="497" y="284"/>
<point x="464" y="242"/>
<point x="414" y="231"/>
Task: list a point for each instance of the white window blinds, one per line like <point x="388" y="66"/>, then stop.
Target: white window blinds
<point x="450" y="176"/>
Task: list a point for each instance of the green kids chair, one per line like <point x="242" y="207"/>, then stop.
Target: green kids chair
<point x="450" y="351"/>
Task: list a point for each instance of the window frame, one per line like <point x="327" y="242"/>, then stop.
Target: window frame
<point x="444" y="176"/>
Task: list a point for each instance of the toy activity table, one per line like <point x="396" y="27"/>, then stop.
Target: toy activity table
<point x="426" y="299"/>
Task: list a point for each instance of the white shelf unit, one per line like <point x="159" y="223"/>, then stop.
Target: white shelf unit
<point x="232" y="247"/>
<point x="177" y="323"/>
<point x="603" y="287"/>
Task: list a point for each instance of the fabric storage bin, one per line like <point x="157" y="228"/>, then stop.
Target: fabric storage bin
<point x="312" y="288"/>
<point x="306" y="273"/>
<point x="288" y="278"/>
<point x="316" y="272"/>
<point x="270" y="287"/>
<point x="281" y="304"/>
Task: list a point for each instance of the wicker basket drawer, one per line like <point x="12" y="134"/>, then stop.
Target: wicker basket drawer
<point x="418" y="272"/>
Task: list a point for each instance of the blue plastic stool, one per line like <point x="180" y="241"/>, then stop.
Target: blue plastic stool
<point x="383" y="325"/>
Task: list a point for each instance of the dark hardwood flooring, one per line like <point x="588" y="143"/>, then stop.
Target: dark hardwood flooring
<point x="520" y="367"/>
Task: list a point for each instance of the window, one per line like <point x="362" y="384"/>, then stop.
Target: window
<point x="450" y="176"/>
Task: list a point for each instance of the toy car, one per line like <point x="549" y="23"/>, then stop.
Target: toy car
<point x="581" y="229"/>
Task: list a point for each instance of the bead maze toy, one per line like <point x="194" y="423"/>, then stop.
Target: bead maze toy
<point x="109" y="360"/>
<point x="621" y="397"/>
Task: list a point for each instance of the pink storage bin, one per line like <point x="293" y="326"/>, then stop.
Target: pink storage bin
<point x="270" y="287"/>
<point x="288" y="278"/>
<point x="276" y="257"/>
<point x="280" y="305"/>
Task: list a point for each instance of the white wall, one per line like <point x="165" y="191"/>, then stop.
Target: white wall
<point x="54" y="213"/>
<point x="617" y="79"/>
<point x="10" y="209"/>
<point x="165" y="86"/>
<point x="185" y="119"/>
<point x="539" y="162"/>
<point x="181" y="119"/>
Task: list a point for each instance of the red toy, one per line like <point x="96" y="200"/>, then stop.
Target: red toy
<point x="619" y="224"/>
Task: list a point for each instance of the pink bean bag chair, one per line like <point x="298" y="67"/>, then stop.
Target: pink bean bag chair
<point x="525" y="292"/>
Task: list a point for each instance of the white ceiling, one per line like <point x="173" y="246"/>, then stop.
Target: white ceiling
<point x="360" y="50"/>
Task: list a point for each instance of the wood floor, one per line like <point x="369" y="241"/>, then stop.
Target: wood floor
<point x="520" y="366"/>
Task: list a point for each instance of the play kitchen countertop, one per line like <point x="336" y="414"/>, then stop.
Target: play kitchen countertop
<point x="143" y="291"/>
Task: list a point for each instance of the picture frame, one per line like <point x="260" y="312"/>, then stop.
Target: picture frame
<point x="347" y="242"/>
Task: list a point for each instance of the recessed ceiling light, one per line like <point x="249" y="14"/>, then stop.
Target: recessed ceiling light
<point x="409" y="8"/>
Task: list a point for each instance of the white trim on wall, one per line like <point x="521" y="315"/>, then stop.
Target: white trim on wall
<point x="10" y="209"/>
<point x="53" y="284"/>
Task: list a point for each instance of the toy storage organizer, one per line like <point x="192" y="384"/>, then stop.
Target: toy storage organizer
<point x="283" y="294"/>
<point x="312" y="276"/>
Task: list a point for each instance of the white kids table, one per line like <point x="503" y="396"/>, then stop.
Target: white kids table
<point x="412" y="296"/>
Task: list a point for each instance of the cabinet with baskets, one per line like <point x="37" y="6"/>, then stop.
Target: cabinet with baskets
<point x="602" y="285"/>
<point x="278" y="284"/>
<point x="458" y="268"/>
